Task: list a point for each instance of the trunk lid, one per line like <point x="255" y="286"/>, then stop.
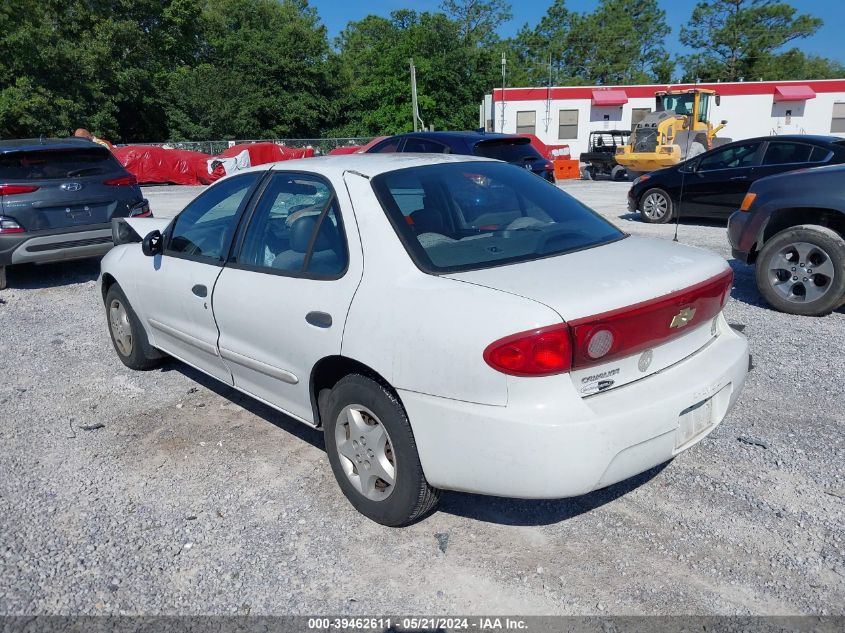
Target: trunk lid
<point x="659" y="299"/>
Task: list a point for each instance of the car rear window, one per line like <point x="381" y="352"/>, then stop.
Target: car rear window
<point x="57" y="163"/>
<point x="514" y="150"/>
<point x="467" y="216"/>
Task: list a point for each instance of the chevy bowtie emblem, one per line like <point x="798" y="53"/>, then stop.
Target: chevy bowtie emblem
<point x="682" y="318"/>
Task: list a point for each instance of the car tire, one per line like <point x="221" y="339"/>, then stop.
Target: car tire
<point x="812" y="287"/>
<point x="656" y="206"/>
<point x="127" y="335"/>
<point x="2" y="277"/>
<point x="619" y="174"/>
<point x="367" y="432"/>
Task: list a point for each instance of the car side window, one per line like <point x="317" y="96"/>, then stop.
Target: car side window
<point x="733" y="157"/>
<point x="386" y="146"/>
<point x="205" y="227"/>
<point x="295" y="229"/>
<point x="424" y="146"/>
<point x="782" y="153"/>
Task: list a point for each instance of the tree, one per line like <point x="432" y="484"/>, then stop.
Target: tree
<point x="478" y="20"/>
<point x="453" y="74"/>
<point x="739" y="38"/>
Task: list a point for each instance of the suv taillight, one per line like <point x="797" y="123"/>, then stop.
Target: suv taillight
<point x="539" y="352"/>
<point x="603" y="337"/>
<point x="12" y="190"/>
<point x="122" y="181"/>
<point x="9" y="225"/>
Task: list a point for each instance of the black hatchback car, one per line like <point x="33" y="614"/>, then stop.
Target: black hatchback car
<point x="510" y="148"/>
<point x="57" y="199"/>
<point x="715" y="182"/>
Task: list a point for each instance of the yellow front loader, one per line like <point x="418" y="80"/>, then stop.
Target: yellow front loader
<point x="678" y="129"/>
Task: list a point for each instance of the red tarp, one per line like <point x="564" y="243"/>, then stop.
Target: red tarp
<point x="609" y="97"/>
<point x="550" y="152"/>
<point x="260" y="153"/>
<point x="151" y="164"/>
<point x="794" y="93"/>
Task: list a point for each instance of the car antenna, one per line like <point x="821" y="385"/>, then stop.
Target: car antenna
<point x="683" y="180"/>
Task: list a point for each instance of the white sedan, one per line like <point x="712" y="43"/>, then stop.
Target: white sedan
<point x="449" y="322"/>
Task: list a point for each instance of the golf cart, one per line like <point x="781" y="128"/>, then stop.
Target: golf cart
<point x="600" y="159"/>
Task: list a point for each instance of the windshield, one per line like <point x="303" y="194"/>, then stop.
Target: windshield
<point x="57" y="163"/>
<point x="465" y="216"/>
<point x="509" y="150"/>
<point x="679" y="104"/>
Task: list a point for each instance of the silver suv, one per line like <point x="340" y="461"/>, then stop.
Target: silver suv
<point x="57" y="199"/>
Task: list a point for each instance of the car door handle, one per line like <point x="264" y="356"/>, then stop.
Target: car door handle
<point x="200" y="291"/>
<point x="319" y="319"/>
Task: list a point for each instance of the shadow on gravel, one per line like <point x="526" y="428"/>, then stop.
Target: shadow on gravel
<point x="277" y="419"/>
<point x="529" y="512"/>
<point x="712" y="222"/>
<point x="33" y="277"/>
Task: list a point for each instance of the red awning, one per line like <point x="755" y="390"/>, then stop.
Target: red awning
<point x="794" y="93"/>
<point x="609" y="97"/>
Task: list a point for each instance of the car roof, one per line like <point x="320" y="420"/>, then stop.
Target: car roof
<point x="811" y="138"/>
<point x="471" y="136"/>
<point x="34" y="144"/>
<point x="368" y="165"/>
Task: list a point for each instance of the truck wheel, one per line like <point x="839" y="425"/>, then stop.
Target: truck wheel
<point x="656" y="206"/>
<point x="588" y="173"/>
<point x="2" y="277"/>
<point x="801" y="270"/>
<point x="618" y="173"/>
<point x="373" y="454"/>
<point x="127" y="335"/>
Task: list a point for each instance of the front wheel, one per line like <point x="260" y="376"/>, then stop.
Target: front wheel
<point x="127" y="335"/>
<point x="801" y="270"/>
<point x="656" y="207"/>
<point x="373" y="454"/>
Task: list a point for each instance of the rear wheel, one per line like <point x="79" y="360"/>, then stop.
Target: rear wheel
<point x="373" y="454"/>
<point x="618" y="173"/>
<point x="656" y="207"/>
<point x="589" y="173"/>
<point x="127" y="335"/>
<point x="801" y="270"/>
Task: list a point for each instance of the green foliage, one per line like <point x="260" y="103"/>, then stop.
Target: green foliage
<point x="141" y="70"/>
<point x="740" y="38"/>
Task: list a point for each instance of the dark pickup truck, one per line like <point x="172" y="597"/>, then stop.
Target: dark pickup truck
<point x="792" y="227"/>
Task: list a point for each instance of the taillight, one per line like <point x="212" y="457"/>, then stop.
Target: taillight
<point x="539" y="352"/>
<point x="11" y="190"/>
<point x="8" y="225"/>
<point x="141" y="210"/>
<point x="604" y="337"/>
<point x="122" y="181"/>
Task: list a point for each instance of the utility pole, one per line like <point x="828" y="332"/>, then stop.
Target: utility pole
<point x="418" y="122"/>
<point x="504" y="75"/>
<point x="548" y="118"/>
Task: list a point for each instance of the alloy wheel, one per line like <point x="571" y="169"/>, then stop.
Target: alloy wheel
<point x="655" y="206"/>
<point x="801" y="272"/>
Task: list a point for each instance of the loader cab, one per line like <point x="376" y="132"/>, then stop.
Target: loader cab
<point x="695" y="103"/>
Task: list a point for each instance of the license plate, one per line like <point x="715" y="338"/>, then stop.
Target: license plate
<point x="694" y="421"/>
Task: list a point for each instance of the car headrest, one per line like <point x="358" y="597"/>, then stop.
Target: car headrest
<point x="303" y="228"/>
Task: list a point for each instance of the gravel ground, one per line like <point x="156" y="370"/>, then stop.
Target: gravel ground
<point x="164" y="492"/>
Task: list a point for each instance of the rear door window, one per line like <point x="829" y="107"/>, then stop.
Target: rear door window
<point x="424" y="146"/>
<point x="386" y="146"/>
<point x="510" y="150"/>
<point x="57" y="163"/>
<point x="466" y="216"/>
<point x="782" y="153"/>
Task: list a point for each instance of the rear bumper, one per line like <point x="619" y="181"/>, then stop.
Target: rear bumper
<point x="52" y="246"/>
<point x="548" y="442"/>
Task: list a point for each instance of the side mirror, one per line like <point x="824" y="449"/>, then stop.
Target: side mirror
<point x="152" y="243"/>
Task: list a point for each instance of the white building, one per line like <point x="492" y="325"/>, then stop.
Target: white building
<point x="568" y="114"/>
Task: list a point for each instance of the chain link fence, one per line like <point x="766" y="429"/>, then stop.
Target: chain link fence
<point x="320" y="145"/>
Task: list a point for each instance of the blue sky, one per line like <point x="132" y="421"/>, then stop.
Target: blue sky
<point x="827" y="41"/>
